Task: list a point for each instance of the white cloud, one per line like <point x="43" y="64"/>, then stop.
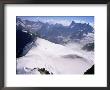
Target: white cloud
<point x="53" y="21"/>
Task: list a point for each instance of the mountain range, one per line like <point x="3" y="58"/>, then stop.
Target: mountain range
<point x="82" y="33"/>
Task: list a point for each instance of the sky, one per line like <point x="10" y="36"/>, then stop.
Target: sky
<point x="65" y="20"/>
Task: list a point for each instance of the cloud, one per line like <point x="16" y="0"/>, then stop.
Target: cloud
<point x="54" y="21"/>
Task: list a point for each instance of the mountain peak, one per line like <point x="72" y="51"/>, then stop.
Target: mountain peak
<point x="72" y="23"/>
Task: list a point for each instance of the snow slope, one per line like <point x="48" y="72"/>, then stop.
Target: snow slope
<point x="55" y="58"/>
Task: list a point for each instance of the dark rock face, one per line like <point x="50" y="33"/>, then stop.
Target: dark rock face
<point x="89" y="47"/>
<point x="90" y="71"/>
<point x="22" y="39"/>
<point x="43" y="71"/>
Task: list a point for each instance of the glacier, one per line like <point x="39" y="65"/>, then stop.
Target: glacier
<point x="55" y="58"/>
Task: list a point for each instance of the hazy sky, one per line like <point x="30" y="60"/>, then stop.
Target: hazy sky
<point x="65" y="20"/>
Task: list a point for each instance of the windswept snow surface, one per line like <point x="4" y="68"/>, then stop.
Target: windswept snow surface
<point x="55" y="58"/>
